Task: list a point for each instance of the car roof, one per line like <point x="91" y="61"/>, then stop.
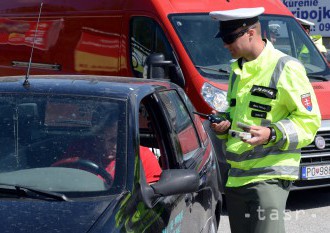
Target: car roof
<point x="110" y="86"/>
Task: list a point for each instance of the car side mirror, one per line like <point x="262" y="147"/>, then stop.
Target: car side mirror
<point x="159" y="68"/>
<point x="176" y="181"/>
<point x="171" y="182"/>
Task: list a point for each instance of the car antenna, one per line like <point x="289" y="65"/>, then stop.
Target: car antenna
<point x="26" y="82"/>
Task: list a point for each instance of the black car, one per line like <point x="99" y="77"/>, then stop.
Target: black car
<point x="74" y="157"/>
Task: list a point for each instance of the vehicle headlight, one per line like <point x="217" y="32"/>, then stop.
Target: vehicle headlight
<point x="216" y="98"/>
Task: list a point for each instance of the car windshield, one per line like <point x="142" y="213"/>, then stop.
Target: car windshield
<point x="197" y="33"/>
<point x="64" y="144"/>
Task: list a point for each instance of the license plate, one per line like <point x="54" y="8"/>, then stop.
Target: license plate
<point x="315" y="172"/>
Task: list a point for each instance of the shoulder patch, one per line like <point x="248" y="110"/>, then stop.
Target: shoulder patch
<point x="306" y="100"/>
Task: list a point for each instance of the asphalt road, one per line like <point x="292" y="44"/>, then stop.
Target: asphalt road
<point x="308" y="211"/>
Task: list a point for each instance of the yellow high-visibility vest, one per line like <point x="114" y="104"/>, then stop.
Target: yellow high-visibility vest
<point x="317" y="39"/>
<point x="272" y="90"/>
<point x="304" y="55"/>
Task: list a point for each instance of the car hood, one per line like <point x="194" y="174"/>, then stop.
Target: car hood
<point x="41" y="216"/>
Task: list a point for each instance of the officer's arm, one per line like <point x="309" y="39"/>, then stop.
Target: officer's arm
<point x="298" y="129"/>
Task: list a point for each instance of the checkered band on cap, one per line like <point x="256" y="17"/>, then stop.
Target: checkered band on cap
<point x="230" y="20"/>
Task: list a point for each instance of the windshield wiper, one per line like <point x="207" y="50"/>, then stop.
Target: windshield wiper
<point x="221" y="71"/>
<point x="23" y="191"/>
<point x="319" y="77"/>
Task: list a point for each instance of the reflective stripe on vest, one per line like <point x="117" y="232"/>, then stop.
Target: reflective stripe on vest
<point x="257" y="153"/>
<point x="290" y="131"/>
<point x="278" y="70"/>
<point x="283" y="170"/>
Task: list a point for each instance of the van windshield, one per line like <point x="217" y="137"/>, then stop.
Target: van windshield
<point x="197" y="33"/>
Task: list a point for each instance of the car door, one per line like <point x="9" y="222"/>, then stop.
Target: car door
<point x="177" y="146"/>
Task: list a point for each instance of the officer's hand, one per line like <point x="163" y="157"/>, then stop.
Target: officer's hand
<point x="260" y="135"/>
<point x="222" y="127"/>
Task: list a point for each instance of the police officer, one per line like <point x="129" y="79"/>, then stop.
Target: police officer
<point x="270" y="93"/>
<point x="317" y="39"/>
<point x="274" y="32"/>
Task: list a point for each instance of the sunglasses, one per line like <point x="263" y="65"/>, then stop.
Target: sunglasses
<point x="231" y="38"/>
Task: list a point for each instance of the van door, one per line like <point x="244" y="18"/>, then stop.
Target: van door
<point x="71" y="37"/>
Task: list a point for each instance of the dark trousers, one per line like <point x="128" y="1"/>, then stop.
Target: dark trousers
<point x="258" y="207"/>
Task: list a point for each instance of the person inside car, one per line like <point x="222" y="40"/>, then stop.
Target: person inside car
<point x="317" y="39"/>
<point x="102" y="149"/>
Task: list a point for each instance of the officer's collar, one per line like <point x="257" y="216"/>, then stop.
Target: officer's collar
<point x="242" y="60"/>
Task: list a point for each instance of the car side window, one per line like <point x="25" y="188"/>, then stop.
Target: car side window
<point x="181" y="122"/>
<point x="146" y="37"/>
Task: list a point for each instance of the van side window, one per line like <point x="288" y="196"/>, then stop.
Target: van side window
<point x="181" y="123"/>
<point x="146" y="37"/>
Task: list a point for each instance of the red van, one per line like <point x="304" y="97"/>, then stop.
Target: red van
<point x="117" y="37"/>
